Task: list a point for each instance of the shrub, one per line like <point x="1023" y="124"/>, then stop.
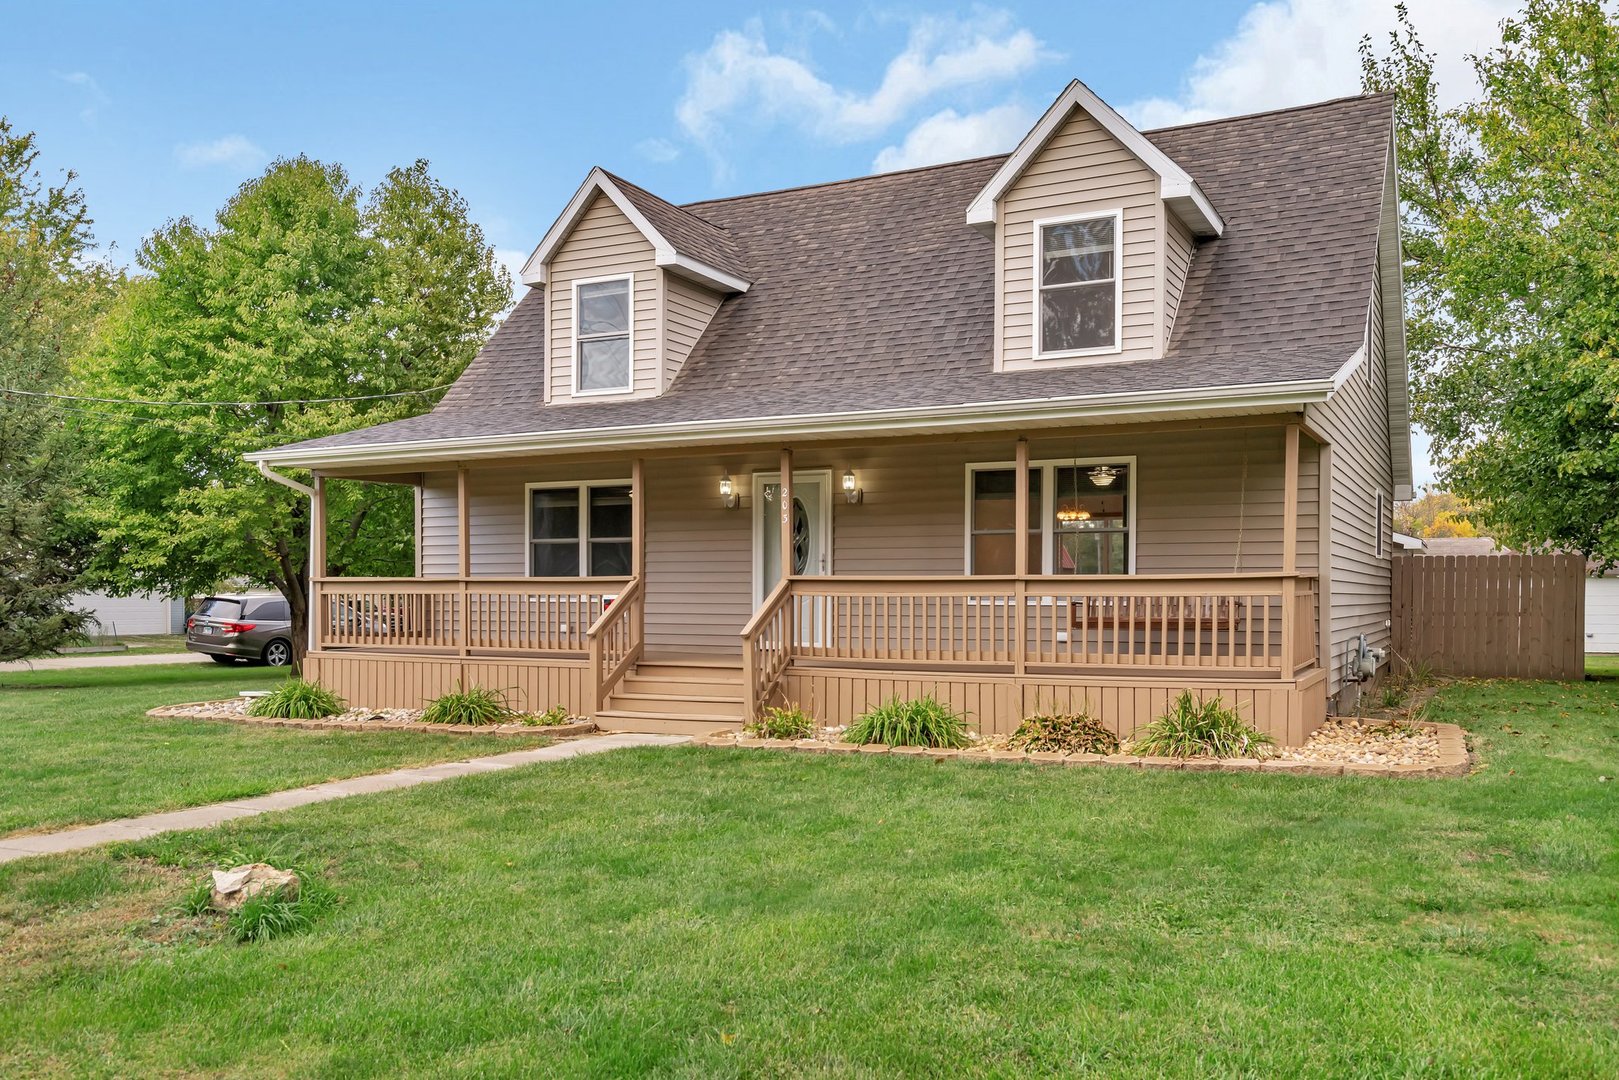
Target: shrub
<point x="297" y="700"/>
<point x="923" y="722"/>
<point x="1199" y="729"/>
<point x="462" y="706"/>
<point x="1065" y="734"/>
<point x="282" y="911"/>
<point x="790" y="722"/>
<point x="552" y="717"/>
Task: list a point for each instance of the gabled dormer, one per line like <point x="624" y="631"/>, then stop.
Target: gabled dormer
<point x="1095" y="230"/>
<point x="631" y="281"/>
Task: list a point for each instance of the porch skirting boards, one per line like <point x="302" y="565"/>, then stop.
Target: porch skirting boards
<point x="1289" y="710"/>
<point x="404" y="681"/>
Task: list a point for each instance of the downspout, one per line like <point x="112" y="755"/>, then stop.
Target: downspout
<point x="305" y="490"/>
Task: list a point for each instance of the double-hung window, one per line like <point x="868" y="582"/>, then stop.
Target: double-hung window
<point x="1077" y="295"/>
<point x="579" y="530"/>
<point x="1081" y="517"/>
<point x="602" y="344"/>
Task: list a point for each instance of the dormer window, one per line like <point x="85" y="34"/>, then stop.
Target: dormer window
<point x="1079" y="291"/>
<point x="601" y="337"/>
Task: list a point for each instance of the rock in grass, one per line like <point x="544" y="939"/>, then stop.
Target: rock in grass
<point x="234" y="886"/>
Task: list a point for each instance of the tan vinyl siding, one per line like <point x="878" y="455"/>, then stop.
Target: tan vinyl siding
<point x="1355" y="422"/>
<point x="603" y="243"/>
<point x="687" y="308"/>
<point x="699" y="555"/>
<point x="436" y="551"/>
<point x="1178" y="253"/>
<point x="1081" y="170"/>
<point x="1207" y="501"/>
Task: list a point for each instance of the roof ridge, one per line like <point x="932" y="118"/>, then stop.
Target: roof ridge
<point x="988" y="157"/>
<point x="842" y="180"/>
<point x="1269" y="112"/>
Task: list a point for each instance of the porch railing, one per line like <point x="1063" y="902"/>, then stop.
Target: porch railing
<point x="1237" y="625"/>
<point x="461" y="615"/>
<point x="767" y="643"/>
<point x="616" y="641"/>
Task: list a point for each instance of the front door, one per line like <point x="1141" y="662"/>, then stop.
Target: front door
<point x="811" y="522"/>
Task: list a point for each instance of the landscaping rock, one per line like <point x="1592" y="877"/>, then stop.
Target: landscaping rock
<point x="235" y="886"/>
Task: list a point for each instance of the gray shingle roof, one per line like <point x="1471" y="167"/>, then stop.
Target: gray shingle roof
<point x="688" y="232"/>
<point x="873" y="293"/>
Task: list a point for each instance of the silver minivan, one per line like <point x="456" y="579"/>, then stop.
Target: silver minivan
<point x="256" y="628"/>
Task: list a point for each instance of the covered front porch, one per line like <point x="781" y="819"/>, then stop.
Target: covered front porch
<point x="1150" y="560"/>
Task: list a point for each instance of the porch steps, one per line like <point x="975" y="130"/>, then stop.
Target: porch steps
<point x="676" y="696"/>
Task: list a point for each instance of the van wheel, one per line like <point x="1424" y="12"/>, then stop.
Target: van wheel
<point x="278" y="653"/>
<point x="216" y="658"/>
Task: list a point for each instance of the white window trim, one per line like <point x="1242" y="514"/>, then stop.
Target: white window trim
<point x="583" y="487"/>
<point x="611" y="391"/>
<point x="1038" y="246"/>
<point x="1048" y="505"/>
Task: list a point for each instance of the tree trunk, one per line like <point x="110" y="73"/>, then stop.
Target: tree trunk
<point x="297" y="593"/>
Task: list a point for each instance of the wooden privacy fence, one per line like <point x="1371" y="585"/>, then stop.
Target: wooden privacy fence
<point x="1512" y="616"/>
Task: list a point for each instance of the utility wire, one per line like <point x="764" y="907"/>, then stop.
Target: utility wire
<point x="221" y="404"/>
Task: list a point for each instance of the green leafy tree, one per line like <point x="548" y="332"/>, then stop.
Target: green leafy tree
<point x="50" y="292"/>
<point x="300" y="310"/>
<point x="1512" y="262"/>
<point x="1434" y="514"/>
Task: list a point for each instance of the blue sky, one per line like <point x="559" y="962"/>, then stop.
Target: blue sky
<point x="164" y="110"/>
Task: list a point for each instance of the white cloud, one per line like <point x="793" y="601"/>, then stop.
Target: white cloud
<point x="229" y="151"/>
<point x="951" y="136"/>
<point x="658" y="150"/>
<point x="95" y="96"/>
<point x="741" y="80"/>
<point x="1289" y="52"/>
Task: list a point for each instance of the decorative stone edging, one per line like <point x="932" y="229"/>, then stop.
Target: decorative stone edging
<point x="1453" y="757"/>
<point x="334" y="723"/>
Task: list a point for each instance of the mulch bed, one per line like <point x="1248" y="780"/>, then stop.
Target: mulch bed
<point x="1339" y="748"/>
<point x="234" y="711"/>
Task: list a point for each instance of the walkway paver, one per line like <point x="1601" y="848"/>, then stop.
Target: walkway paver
<point x="202" y="817"/>
<point x="63" y="663"/>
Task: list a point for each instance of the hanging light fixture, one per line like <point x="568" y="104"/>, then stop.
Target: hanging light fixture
<point x="1103" y="476"/>
<point x="1069" y="517"/>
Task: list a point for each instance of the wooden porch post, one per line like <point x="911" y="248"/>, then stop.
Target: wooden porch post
<point x="463" y="521"/>
<point x="1020" y="557"/>
<point x="317" y="559"/>
<point x="317" y="532"/>
<point x="1290" y="547"/>
<point x="785" y="494"/>
<point x="1290" y="501"/>
<point x="638" y="541"/>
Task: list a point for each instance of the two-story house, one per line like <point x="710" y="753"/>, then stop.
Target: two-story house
<point x="1118" y="414"/>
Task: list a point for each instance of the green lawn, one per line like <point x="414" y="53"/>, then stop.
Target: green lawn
<point x="75" y="745"/>
<point x="709" y="913"/>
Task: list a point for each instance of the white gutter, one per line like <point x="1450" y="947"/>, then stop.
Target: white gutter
<point x="304" y="489"/>
<point x="286" y="481"/>
<point x="1265" y="397"/>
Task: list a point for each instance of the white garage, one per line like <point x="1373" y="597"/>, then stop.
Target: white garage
<point x="1602" y="615"/>
<point x="115" y="616"/>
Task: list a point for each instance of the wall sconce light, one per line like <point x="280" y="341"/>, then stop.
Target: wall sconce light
<point x="728" y="496"/>
<point x="851" y="488"/>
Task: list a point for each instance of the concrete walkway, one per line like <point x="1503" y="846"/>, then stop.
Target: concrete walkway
<point x="59" y="663"/>
<point x="202" y="817"/>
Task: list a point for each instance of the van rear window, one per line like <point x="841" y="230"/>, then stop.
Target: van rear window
<point x="217" y="607"/>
